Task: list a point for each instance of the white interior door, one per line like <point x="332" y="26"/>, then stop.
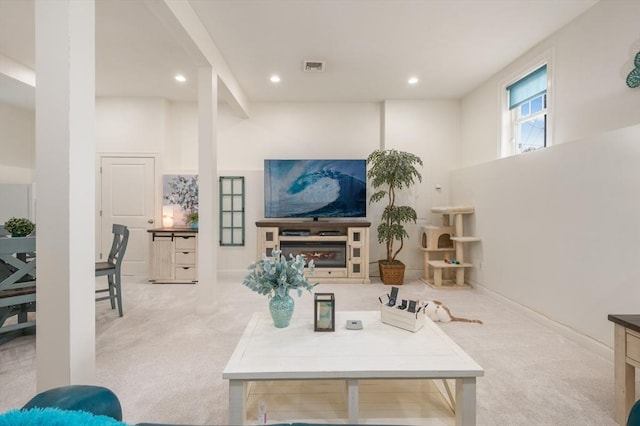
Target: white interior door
<point x="127" y="198"/>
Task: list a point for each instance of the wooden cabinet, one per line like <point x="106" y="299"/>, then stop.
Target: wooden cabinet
<point x="339" y="249"/>
<point x="173" y="255"/>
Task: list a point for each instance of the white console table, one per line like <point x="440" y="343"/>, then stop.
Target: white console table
<point x="339" y="248"/>
<point x="173" y="255"/>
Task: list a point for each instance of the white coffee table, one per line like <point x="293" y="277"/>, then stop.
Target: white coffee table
<point x="379" y="351"/>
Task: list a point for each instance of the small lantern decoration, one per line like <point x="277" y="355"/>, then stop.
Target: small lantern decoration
<point x="324" y="312"/>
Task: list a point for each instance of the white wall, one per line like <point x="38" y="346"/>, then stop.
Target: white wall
<point x="298" y="130"/>
<point x="131" y="125"/>
<point x="590" y="60"/>
<point x="594" y="55"/>
<point x="287" y="130"/>
<point x="429" y="129"/>
<point x="559" y="229"/>
<point x="17" y="144"/>
<point x="291" y="130"/>
<point x="559" y="226"/>
<point x="181" y="149"/>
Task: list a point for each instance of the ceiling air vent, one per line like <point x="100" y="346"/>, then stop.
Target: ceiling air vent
<point x="313" y="66"/>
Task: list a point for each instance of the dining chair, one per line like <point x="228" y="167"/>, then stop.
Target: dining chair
<point x="112" y="268"/>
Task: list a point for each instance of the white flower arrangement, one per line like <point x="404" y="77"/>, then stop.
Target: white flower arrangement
<point x="277" y="275"/>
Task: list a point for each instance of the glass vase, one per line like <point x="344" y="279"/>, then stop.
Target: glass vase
<point x="281" y="308"/>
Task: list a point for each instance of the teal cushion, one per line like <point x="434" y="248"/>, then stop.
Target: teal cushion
<point x="54" y="417"/>
<point x="93" y="399"/>
<point x="634" y="415"/>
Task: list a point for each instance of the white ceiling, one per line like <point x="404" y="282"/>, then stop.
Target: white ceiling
<point x="371" y="47"/>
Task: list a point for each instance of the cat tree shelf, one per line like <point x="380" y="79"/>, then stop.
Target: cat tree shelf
<point x="446" y="242"/>
<point x="440" y="265"/>
<point x="453" y="210"/>
<point x="465" y="239"/>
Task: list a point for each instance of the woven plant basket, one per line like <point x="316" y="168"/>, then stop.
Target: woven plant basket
<point x="391" y="274"/>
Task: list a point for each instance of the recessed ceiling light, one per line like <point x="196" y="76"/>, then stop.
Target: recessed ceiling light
<point x="180" y="78"/>
<point x="275" y="79"/>
<point x="413" y="80"/>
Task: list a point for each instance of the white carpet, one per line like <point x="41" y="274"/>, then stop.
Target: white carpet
<point x="164" y="361"/>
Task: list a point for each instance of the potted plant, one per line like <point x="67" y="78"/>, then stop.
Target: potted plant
<point x="391" y="171"/>
<point x="192" y="219"/>
<point x="19" y="227"/>
<point x="275" y="276"/>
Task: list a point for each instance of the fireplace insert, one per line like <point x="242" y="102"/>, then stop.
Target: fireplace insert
<point x="329" y="254"/>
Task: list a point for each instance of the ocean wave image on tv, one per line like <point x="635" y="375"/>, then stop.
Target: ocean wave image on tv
<point x="315" y="188"/>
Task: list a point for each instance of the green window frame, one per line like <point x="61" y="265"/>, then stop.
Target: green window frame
<point x="232" y="210"/>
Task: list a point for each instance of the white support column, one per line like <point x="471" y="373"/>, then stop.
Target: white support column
<point x="65" y="165"/>
<point x="208" y="190"/>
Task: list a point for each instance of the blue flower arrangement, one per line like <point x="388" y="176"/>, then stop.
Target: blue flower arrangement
<point x="277" y="275"/>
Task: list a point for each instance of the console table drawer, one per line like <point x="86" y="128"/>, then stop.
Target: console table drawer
<point x="328" y="273"/>
<point x="185" y="243"/>
<point x="185" y="273"/>
<point x="633" y="346"/>
<point x="186" y="257"/>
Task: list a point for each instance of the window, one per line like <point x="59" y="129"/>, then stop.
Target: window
<point x="527" y="115"/>
<point x="231" y="210"/>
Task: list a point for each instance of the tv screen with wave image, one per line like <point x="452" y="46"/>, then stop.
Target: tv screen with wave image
<point x="315" y="188"/>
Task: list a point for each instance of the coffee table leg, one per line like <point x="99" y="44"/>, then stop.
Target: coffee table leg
<point x="353" y="403"/>
<point x="236" y="402"/>
<point x="466" y="401"/>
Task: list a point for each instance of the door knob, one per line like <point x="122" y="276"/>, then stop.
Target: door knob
<point x="150" y="221"/>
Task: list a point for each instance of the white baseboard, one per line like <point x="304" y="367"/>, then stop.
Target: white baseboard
<point x="581" y="339"/>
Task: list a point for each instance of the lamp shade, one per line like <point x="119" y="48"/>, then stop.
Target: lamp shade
<point x="167" y="216"/>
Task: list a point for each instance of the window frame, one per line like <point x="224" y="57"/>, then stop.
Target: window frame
<point x="517" y="120"/>
<point x="507" y="143"/>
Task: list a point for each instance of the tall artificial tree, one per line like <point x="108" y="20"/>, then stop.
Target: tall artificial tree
<point x="389" y="172"/>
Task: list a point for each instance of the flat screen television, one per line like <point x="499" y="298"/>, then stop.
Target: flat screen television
<point x="315" y="188"/>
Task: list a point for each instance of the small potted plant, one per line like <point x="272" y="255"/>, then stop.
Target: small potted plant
<point x="391" y="171"/>
<point x="19" y="227"/>
<point x="192" y="219"/>
<point x="274" y="277"/>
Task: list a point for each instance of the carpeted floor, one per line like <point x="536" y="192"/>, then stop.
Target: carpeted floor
<point x="164" y="361"/>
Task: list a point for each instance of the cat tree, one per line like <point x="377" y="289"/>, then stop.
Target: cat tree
<point x="443" y="247"/>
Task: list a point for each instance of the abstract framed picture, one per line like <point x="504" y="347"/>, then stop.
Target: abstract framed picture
<point x="179" y="197"/>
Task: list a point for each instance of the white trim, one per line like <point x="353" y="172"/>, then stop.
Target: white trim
<point x="157" y="209"/>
